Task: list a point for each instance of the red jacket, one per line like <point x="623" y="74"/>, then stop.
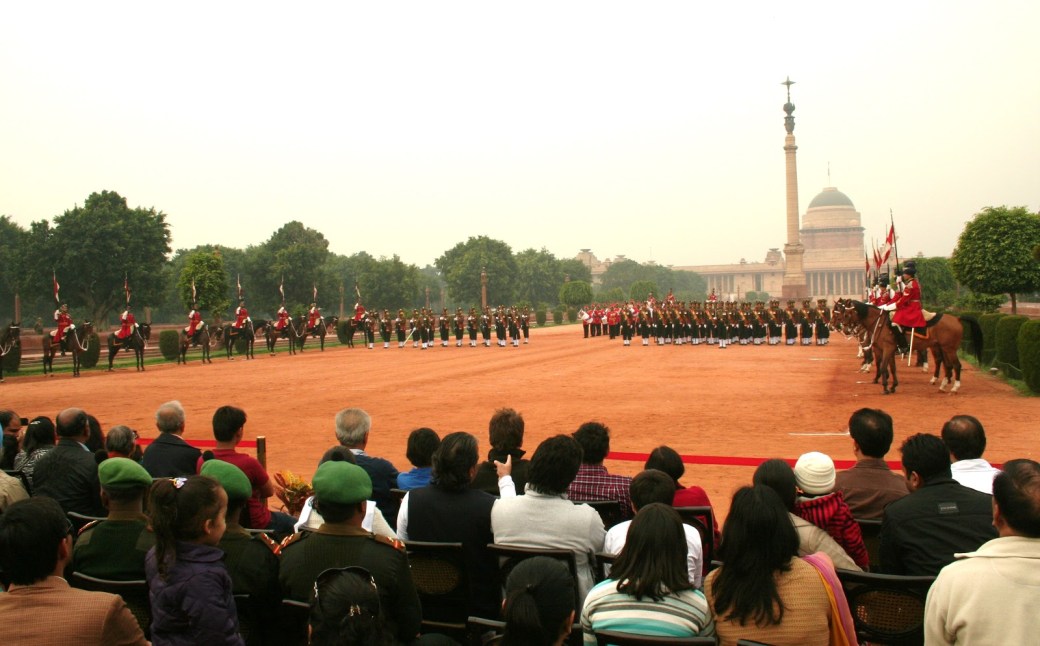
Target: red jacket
<point x="908" y="306"/>
<point x="831" y="513"/>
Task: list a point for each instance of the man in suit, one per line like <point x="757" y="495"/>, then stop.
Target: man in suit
<point x="169" y="456"/>
<point x="68" y="473"/>
<point x="35" y="547"/>
<point x="352" y="428"/>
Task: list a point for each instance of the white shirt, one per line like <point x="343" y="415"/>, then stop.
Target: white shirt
<point x="976" y="474"/>
<point x="373" y="522"/>
<point x="506" y="489"/>
<point x="617" y="535"/>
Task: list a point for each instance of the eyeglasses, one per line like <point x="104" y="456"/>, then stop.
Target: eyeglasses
<point x="331" y="573"/>
<point x="69" y="527"/>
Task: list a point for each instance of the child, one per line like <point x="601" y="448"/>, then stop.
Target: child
<point x="189" y="587"/>
<point x="422" y="442"/>
<point x="822" y="506"/>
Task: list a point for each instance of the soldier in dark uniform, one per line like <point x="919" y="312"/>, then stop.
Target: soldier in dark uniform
<point x="790" y="324"/>
<point x="628" y="324"/>
<point x="525" y="324"/>
<point x="443" y="327"/>
<point x="823" y="319"/>
<point x="513" y="325"/>
<point x="115" y="548"/>
<point x="644" y="326"/>
<point x="459" y="325"/>
<point x="401" y="325"/>
<point x="806" y="321"/>
<point x="251" y="560"/>
<point x="485" y="326"/>
<point x="500" y="326"/>
<point x="386" y="325"/>
<point x="340" y="492"/>
<point x="471" y="327"/>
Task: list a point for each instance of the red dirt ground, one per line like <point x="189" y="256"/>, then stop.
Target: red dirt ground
<point x="744" y="402"/>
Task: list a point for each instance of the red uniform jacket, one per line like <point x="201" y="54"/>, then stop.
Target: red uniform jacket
<point x="126" y="325"/>
<point x="908" y="306"/>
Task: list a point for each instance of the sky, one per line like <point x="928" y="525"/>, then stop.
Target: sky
<point x="650" y="129"/>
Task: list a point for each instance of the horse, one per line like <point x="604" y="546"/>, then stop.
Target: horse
<point x="878" y="335"/>
<point x="201" y="338"/>
<point x="137" y="341"/>
<point x="320" y="331"/>
<point x="231" y="335"/>
<point x="290" y="332"/>
<point x="9" y="340"/>
<point x="76" y="341"/>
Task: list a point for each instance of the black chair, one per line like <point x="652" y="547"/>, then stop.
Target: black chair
<point x="21" y="476"/>
<point x="442" y="581"/>
<point x="604" y="562"/>
<point x="616" y="638"/>
<point x="886" y="608"/>
<point x="488" y="632"/>
<point x="134" y="594"/>
<point x="294" y="617"/>
<point x="609" y="511"/>
<point x="511" y="555"/>
<point x="398" y="494"/>
<point x="701" y="518"/>
<point x="871" y="530"/>
<point x="247" y="618"/>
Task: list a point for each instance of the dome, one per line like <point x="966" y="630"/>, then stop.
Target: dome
<point x="831" y="197"/>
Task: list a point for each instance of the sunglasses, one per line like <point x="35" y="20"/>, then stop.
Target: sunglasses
<point x="331" y="573"/>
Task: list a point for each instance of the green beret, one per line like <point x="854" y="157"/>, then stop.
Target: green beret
<point x="122" y="473"/>
<point x="236" y="484"/>
<point x="341" y="482"/>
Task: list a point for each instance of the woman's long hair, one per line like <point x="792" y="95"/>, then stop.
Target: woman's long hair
<point x="778" y="476"/>
<point x="39" y="432"/>
<point x="539" y="602"/>
<point x="653" y="561"/>
<point x="758" y="541"/>
<point x="346" y="609"/>
<point x="178" y="509"/>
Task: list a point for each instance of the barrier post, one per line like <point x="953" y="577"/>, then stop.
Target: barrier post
<point x="261" y="451"/>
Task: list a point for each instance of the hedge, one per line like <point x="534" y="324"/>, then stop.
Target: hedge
<point x="169" y="344"/>
<point x="572" y="314"/>
<point x="966" y="339"/>
<point x="558" y="316"/>
<point x="539" y="316"/>
<point x="1029" y="353"/>
<point x="1007" y="341"/>
<point x="988" y="322"/>
<point x="93" y="353"/>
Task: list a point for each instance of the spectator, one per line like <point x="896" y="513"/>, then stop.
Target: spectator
<point x="40" y="438"/>
<point x="352" y="429"/>
<point x="346" y="609"/>
<point x="822" y="506"/>
<point x="68" y="473"/>
<point x="544" y="518"/>
<point x="762" y="592"/>
<point x="373" y="521"/>
<point x="539" y="606"/>
<point x="35" y="547"/>
<point x="964" y="436"/>
<point x="665" y="458"/>
<point x="116" y="547"/>
<point x="341" y="490"/>
<point x="921" y="532"/>
<point x="870" y="485"/>
<point x="449" y="511"/>
<point x="11" y="491"/>
<point x="593" y="482"/>
<point x="422" y="442"/>
<point x="778" y="476"/>
<point x="11" y="425"/>
<point x="649" y="591"/>
<point x="121" y="442"/>
<point x="95" y="438"/>
<point x="228" y="429"/>
<point x="991" y="594"/>
<point x="169" y="456"/>
<point x="506" y="436"/>
<point x="648" y="487"/>
<point x="189" y="587"/>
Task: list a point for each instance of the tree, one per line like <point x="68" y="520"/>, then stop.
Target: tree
<point x="623" y="273"/>
<point x="938" y="282"/>
<point x="574" y="269"/>
<point x="539" y="276"/>
<point x="294" y="254"/>
<point x="12" y="239"/>
<point x="994" y="254"/>
<point x="93" y="248"/>
<point x="206" y="271"/>
<point x="461" y="267"/>
<point x="641" y="290"/>
<point x="576" y="293"/>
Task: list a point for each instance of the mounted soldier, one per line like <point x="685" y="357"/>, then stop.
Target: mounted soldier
<point x="907" y="307"/>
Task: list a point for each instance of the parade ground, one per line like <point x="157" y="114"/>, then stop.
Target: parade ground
<point x="723" y="410"/>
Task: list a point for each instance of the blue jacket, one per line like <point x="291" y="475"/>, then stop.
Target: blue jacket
<point x="194" y="605"/>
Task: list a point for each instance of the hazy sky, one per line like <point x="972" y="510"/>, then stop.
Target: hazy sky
<point x="651" y="129"/>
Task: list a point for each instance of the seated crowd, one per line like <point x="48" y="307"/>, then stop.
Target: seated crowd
<point x="632" y="555"/>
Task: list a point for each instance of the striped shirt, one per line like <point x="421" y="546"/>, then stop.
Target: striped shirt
<point x="682" y="614"/>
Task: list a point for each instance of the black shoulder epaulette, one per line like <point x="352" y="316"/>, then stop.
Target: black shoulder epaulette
<point x="395" y="543"/>
<point x="269" y="543"/>
<point x="289" y="540"/>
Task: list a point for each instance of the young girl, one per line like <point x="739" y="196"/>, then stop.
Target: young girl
<point x="189" y="587"/>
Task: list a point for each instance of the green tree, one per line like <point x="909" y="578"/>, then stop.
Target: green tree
<point x="539" y="276"/>
<point x="641" y="289"/>
<point x="12" y="239"/>
<point x="994" y="254"/>
<point x="461" y="267"/>
<point x="206" y="271"/>
<point x="623" y="273"/>
<point x="92" y="248"/>
<point x="574" y="269"/>
<point x="614" y="295"/>
<point x="576" y="293"/>
<point x="294" y="253"/>
<point x="938" y="284"/>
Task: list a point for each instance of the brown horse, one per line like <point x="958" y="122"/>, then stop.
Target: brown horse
<point x="76" y="340"/>
<point x="9" y="340"/>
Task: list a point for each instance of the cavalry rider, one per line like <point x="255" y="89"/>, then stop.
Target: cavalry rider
<point x="241" y="315"/>
<point x="313" y="316"/>
<point x="63" y="321"/>
<point x="194" y="321"/>
<point x="883" y="294"/>
<point x="359" y="311"/>
<point x="907" y="306"/>
<point x="283" y="318"/>
<point x="127" y="323"/>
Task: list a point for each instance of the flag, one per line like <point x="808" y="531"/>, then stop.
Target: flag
<point x="238" y="283"/>
<point x="877" y="258"/>
<point x="890" y="241"/>
<point x="314" y="293"/>
<point x="126" y="288"/>
<point x="194" y="294"/>
<point x="866" y="263"/>
<point x="56" y="287"/>
<point x="357" y="291"/>
<point x="281" y="289"/>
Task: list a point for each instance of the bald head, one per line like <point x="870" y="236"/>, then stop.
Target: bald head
<point x="72" y="423"/>
<point x="965" y="437"/>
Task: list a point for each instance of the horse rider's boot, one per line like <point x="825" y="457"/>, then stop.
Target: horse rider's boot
<point x="900" y="336"/>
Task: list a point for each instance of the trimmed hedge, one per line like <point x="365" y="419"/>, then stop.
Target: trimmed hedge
<point x="988" y="322"/>
<point x="1007" y="340"/>
<point x="1029" y="353"/>
<point x="540" y="316"/>
<point x="966" y="339"/>
<point x="572" y="314"/>
<point x="169" y="344"/>
<point x="558" y="316"/>
<point x="93" y="353"/>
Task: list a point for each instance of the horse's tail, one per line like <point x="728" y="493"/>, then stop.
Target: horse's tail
<point x="976" y="336"/>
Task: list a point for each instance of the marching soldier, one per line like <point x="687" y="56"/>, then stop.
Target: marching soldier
<point x="471" y="327"/>
<point x="386" y="326"/>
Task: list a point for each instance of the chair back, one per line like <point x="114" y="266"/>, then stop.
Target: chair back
<point x="886" y="608"/>
<point x="134" y="594"/>
<point x="488" y="632"/>
<point x="609" y="511"/>
<point x="701" y="518"/>
<point x="510" y="555"/>
<point x="22" y="477"/>
<point x="871" y="530"/>
<point x="442" y="581"/>
<point x="617" y="638"/>
<point x="604" y="562"/>
<point x="294" y="617"/>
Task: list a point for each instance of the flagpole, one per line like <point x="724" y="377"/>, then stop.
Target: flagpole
<point x="895" y="239"/>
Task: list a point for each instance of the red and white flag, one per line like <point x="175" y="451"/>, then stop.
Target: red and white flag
<point x="281" y="289"/>
<point x="314" y="293"/>
<point x="877" y="258"/>
<point x="126" y="288"/>
<point x="238" y="283"/>
<point x="890" y="241"/>
<point x="56" y="287"/>
<point x="194" y="294"/>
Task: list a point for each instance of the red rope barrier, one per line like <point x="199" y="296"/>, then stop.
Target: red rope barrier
<point x="734" y="461"/>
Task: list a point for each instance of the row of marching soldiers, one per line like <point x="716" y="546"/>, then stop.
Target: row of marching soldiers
<point x="424" y="328"/>
<point x="712" y="323"/>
